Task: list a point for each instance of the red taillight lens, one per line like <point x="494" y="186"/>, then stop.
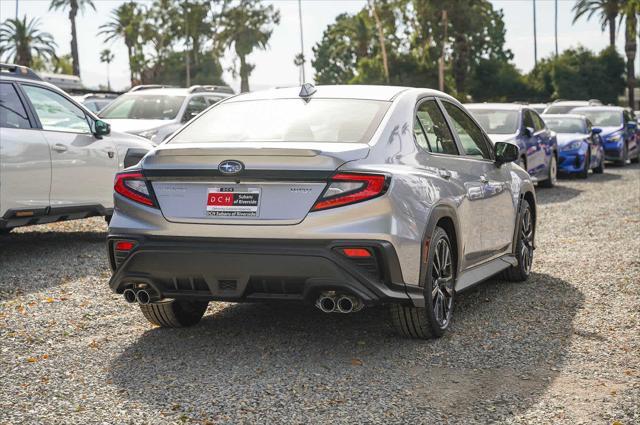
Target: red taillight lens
<point x="356" y="252"/>
<point x="133" y="186"/>
<point x="349" y="188"/>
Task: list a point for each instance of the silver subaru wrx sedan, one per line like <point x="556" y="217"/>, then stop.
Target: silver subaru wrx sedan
<point x="342" y="197"/>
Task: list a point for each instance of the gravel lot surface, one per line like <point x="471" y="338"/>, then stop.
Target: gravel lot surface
<point x="562" y="347"/>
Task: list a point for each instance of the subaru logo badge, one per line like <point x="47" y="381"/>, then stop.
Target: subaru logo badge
<point x="230" y="167"/>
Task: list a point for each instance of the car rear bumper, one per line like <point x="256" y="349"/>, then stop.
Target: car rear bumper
<point x="259" y="269"/>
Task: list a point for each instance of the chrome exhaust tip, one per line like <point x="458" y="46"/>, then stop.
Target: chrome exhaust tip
<point x="129" y="296"/>
<point x="326" y="304"/>
<point x="348" y="304"/>
<point x="143" y="297"/>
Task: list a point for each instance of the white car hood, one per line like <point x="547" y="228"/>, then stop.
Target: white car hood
<point x="136" y="126"/>
<point x="502" y="137"/>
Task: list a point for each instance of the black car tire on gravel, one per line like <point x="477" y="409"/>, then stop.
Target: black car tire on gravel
<point x="432" y="320"/>
<point x="600" y="168"/>
<point x="625" y="155"/>
<point x="174" y="313"/>
<point x="584" y="173"/>
<point x="552" y="174"/>
<point x="524" y="246"/>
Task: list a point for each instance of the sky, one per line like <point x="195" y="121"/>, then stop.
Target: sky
<point x="275" y="67"/>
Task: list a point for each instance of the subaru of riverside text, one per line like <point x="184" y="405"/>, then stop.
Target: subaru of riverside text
<point x="342" y="197"/>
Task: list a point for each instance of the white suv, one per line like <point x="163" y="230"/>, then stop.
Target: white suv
<point x="57" y="159"/>
<point x="155" y="112"/>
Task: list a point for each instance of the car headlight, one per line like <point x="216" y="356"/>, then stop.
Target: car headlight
<point x="148" y="134"/>
<point x="573" y="146"/>
<point x="614" y="138"/>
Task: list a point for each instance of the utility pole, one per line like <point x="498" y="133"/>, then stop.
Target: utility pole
<point x="16" y="9"/>
<point x="187" y="52"/>
<point x="535" y="36"/>
<point x="302" y="60"/>
<point x="556" y="25"/>
<point x="444" y="49"/>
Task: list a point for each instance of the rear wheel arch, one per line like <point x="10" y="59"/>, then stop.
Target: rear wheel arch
<point x="443" y="216"/>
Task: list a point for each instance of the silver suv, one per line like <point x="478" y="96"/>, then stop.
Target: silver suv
<point x="338" y="196"/>
<point x="57" y="159"/>
<point x="155" y="112"/>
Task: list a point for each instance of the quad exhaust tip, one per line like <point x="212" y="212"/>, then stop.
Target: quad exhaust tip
<point x="129" y="296"/>
<point x="332" y="303"/>
<point x="143" y="297"/>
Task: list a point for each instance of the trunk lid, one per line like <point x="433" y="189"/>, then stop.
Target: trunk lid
<point x="278" y="183"/>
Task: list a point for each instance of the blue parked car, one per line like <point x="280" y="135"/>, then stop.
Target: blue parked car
<point x="522" y="126"/>
<point x="620" y="135"/>
<point x="579" y="144"/>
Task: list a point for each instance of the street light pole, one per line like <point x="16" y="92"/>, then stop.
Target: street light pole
<point x="16" y="9"/>
<point x="556" y="25"/>
<point x="535" y="36"/>
<point x="302" y="61"/>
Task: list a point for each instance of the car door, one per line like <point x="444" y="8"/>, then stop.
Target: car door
<point x="82" y="165"/>
<point x="535" y="155"/>
<point x="497" y="208"/>
<point x="25" y="159"/>
<point x="439" y="157"/>
<point x="545" y="140"/>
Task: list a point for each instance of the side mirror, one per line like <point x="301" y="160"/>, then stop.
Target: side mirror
<point x="632" y="125"/>
<point x="506" y="152"/>
<point x="528" y="131"/>
<point x="596" y="130"/>
<point x="101" y="128"/>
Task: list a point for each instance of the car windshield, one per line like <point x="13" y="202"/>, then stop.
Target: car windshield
<point x="602" y="118"/>
<point x="566" y="124"/>
<point x="143" y="107"/>
<point x="560" y="109"/>
<point x="287" y="120"/>
<point x="496" y="121"/>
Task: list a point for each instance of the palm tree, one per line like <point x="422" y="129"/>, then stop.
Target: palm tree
<point x="107" y="57"/>
<point x="631" y="10"/>
<point x="126" y="23"/>
<point x="74" y="6"/>
<point x="19" y="39"/>
<point x="248" y="26"/>
<point x="608" y="11"/>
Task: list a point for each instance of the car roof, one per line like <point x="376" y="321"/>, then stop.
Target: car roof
<point x="335" y="92"/>
<point x="497" y="106"/>
<point x="174" y="92"/>
<point x="599" y="108"/>
<point x="582" y="117"/>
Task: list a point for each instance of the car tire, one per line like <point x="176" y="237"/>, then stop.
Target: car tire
<point x="174" y="313"/>
<point x="584" y="173"/>
<point x="432" y="320"/>
<point x="625" y="155"/>
<point x="600" y="168"/>
<point x="552" y="173"/>
<point x="524" y="246"/>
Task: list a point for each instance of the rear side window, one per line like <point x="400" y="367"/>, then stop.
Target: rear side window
<point x="286" y="120"/>
<point x="12" y="112"/>
<point x="471" y="136"/>
<point x="432" y="131"/>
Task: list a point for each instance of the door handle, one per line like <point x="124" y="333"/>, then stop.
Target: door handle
<point x="445" y="174"/>
<point x="59" y="147"/>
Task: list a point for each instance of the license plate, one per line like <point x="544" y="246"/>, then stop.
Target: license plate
<point x="233" y="202"/>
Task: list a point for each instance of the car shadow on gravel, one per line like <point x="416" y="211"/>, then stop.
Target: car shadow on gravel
<point x="506" y="345"/>
<point x="556" y="194"/>
<point x="31" y="261"/>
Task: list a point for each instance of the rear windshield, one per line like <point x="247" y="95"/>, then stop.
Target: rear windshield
<point x="143" y="107"/>
<point x="566" y="125"/>
<point x="495" y="121"/>
<point x="559" y="109"/>
<point x="287" y="120"/>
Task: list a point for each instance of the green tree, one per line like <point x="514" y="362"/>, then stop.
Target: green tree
<point x="127" y="23"/>
<point x="19" y="40"/>
<point x="607" y="11"/>
<point x="74" y="7"/>
<point x="512" y="86"/>
<point x="106" y="56"/>
<point x="631" y="10"/>
<point x="248" y="26"/>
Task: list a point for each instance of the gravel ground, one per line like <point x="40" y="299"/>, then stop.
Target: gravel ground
<point x="562" y="347"/>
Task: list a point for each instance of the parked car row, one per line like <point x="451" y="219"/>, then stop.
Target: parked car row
<point x="342" y="197"/>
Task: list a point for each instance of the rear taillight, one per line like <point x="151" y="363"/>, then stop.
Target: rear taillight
<point x="132" y="185"/>
<point x="349" y="188"/>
